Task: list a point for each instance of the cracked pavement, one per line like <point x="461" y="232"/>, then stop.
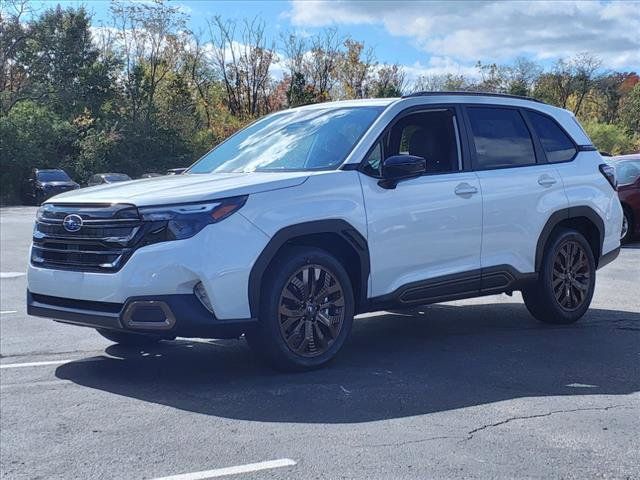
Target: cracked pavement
<point x="469" y="389"/>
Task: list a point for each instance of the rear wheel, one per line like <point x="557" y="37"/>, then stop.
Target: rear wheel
<point x="129" y="339"/>
<point x="564" y="289"/>
<point x="306" y="310"/>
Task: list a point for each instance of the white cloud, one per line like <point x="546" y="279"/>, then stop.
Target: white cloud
<point x="466" y="31"/>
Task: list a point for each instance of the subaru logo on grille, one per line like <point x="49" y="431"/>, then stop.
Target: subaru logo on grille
<point x="72" y="223"/>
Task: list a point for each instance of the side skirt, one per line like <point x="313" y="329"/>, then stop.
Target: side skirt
<point x="474" y="283"/>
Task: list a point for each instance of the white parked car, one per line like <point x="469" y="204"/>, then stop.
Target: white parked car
<point x="311" y="215"/>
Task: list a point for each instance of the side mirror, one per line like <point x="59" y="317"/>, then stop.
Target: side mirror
<point x="401" y="167"/>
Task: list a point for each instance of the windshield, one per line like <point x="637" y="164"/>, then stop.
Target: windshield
<point x="302" y="139"/>
<point x="53" y="176"/>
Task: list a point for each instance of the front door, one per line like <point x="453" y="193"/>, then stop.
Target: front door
<point x="428" y="227"/>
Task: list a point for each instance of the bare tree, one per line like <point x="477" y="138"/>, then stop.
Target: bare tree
<point x="294" y="47"/>
<point x="585" y="67"/>
<point x="243" y="56"/>
<point x="151" y="37"/>
<point x="321" y="67"/>
<point x="200" y="75"/>
<point x="442" y="82"/>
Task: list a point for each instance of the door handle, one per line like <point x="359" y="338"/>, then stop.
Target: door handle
<point x="546" y="180"/>
<point x="465" y="189"/>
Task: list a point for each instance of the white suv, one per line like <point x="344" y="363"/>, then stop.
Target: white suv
<point x="312" y="215"/>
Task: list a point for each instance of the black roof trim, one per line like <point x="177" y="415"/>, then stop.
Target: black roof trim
<point x="473" y="94"/>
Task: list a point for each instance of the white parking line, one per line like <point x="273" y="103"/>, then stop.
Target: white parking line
<point x="5" y="312"/>
<point x="221" y="472"/>
<point x="34" y="364"/>
<point x="11" y="274"/>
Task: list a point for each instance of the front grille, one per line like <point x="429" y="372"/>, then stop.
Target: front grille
<point x="103" y="243"/>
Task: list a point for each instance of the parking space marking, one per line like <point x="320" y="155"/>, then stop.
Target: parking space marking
<point x="35" y="364"/>
<point x="222" y="472"/>
<point x="6" y="312"/>
<point x="11" y="274"/>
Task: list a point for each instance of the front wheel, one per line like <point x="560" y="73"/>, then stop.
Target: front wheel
<point x="129" y="339"/>
<point x="306" y="311"/>
<point x="562" y="294"/>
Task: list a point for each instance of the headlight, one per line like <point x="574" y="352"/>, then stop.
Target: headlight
<point x="176" y="222"/>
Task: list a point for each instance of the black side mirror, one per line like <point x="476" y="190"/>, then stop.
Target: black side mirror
<point x="401" y="167"/>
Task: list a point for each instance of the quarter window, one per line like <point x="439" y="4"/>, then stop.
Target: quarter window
<point x="373" y="162"/>
<point x="501" y="138"/>
<point x="556" y="144"/>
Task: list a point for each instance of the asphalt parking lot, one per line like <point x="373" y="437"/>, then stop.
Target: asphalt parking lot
<point x="469" y="389"/>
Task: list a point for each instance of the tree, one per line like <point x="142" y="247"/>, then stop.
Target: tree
<point x="522" y="76"/>
<point x="299" y="93"/>
<point x="630" y="111"/>
<point x="151" y="38"/>
<point x="243" y="56"/>
<point x="447" y="82"/>
<point x="389" y="81"/>
<point x="356" y="65"/>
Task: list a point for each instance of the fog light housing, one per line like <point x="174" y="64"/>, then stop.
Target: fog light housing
<point x="201" y="293"/>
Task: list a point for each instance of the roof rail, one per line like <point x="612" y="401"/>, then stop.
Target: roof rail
<point x="475" y="94"/>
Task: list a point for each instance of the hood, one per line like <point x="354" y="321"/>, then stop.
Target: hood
<point x="183" y="188"/>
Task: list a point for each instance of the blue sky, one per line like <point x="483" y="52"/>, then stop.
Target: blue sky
<point x="444" y="36"/>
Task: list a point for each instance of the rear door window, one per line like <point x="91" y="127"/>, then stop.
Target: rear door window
<point x="557" y="146"/>
<point x="500" y="137"/>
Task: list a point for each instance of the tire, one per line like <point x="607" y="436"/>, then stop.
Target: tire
<point x="568" y="264"/>
<point x="129" y="339"/>
<point x="627" y="233"/>
<point x="294" y="331"/>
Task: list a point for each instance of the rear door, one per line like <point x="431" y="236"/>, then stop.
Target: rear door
<point x="520" y="189"/>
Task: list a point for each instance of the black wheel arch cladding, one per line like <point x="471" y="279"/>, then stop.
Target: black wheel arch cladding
<point x="562" y="216"/>
<point x="297" y="233"/>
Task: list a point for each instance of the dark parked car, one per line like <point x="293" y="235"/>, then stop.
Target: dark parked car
<point x="45" y="183"/>
<point x="150" y="175"/>
<point x="176" y="171"/>
<point x="104" y="178"/>
<point x="628" y="176"/>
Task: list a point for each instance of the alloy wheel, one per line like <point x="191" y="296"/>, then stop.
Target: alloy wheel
<point x="311" y="310"/>
<point x="571" y="276"/>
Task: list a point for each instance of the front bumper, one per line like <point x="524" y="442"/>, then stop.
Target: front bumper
<point x="220" y="256"/>
<point x="180" y="315"/>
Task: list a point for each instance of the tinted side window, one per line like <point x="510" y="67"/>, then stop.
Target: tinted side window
<point x="430" y="135"/>
<point x="501" y="138"/>
<point x="556" y="144"/>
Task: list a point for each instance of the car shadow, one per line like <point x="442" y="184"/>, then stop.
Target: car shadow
<point x="437" y="358"/>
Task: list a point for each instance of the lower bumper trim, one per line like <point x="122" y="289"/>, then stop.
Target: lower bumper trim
<point x="189" y="317"/>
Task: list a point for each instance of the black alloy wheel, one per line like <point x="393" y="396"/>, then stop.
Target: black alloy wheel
<point x="311" y="310"/>
<point x="306" y="310"/>
<point x="565" y="283"/>
<point x="571" y="276"/>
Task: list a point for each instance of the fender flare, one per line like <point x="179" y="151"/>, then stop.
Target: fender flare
<point x="565" y="214"/>
<point x="337" y="226"/>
